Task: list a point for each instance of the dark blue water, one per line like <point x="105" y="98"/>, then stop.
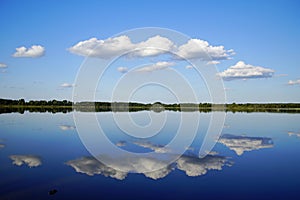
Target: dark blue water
<point x="257" y="157"/>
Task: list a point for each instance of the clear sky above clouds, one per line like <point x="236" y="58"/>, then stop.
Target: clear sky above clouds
<point x="40" y="51"/>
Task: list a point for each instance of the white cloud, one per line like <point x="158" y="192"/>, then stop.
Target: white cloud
<point x="154" y="147"/>
<point x="120" y="168"/>
<point x="153" y="46"/>
<point x="34" y="51"/>
<point x="152" y="167"/>
<point x="66" y="85"/>
<point x="2" y="146"/>
<point x="122" y="44"/>
<point x="67" y="127"/>
<point x="2" y="65"/>
<point x="201" y="49"/>
<point x="103" y="48"/>
<point x="213" y="62"/>
<point x="91" y="167"/>
<point x="189" y="67"/>
<point x="194" y="166"/>
<point x="245" y="71"/>
<point x="159" y="173"/>
<point x="122" y="69"/>
<point x="29" y="160"/>
<point x="156" y="66"/>
<point x="294" y="82"/>
<point x="240" y="144"/>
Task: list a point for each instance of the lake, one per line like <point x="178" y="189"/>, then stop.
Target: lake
<point x="49" y="156"/>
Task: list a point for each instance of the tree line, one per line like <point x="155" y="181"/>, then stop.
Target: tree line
<point x="7" y="105"/>
<point x="22" y="102"/>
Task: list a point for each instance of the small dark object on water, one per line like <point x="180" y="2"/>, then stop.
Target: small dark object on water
<point x="52" y="192"/>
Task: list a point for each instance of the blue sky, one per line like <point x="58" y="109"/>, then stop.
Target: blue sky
<point x="262" y="34"/>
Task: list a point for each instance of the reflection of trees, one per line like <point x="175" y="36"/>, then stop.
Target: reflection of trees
<point x="264" y="107"/>
<point x="35" y="109"/>
<point x="8" y="105"/>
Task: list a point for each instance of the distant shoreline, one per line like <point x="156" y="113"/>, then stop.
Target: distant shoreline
<point x="8" y="105"/>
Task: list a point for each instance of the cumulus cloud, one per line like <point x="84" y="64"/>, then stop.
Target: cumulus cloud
<point x="191" y="165"/>
<point x="67" y="127"/>
<point x="194" y="166"/>
<point x="152" y="167"/>
<point x="240" y="144"/>
<point x="161" y="173"/>
<point x="2" y="65"/>
<point x="242" y="70"/>
<point x="102" y="48"/>
<point x="201" y="49"/>
<point x="156" y="66"/>
<point x="122" y="69"/>
<point x="91" y="167"/>
<point x="153" y="46"/>
<point x="34" y="51"/>
<point x="294" y="82"/>
<point x="2" y="146"/>
<point x="120" y="168"/>
<point x="189" y="67"/>
<point x="29" y="160"/>
<point x="213" y="62"/>
<point x="156" y="148"/>
<point x="111" y="47"/>
<point x="66" y="85"/>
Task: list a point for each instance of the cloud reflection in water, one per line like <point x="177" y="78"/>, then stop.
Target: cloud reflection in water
<point x="121" y="143"/>
<point x="291" y="133"/>
<point x="194" y="166"/>
<point x="240" y="144"/>
<point x="119" y="168"/>
<point x="91" y="166"/>
<point x="67" y="127"/>
<point x="29" y="160"/>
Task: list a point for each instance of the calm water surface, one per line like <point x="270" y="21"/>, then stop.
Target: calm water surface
<point x="257" y="157"/>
